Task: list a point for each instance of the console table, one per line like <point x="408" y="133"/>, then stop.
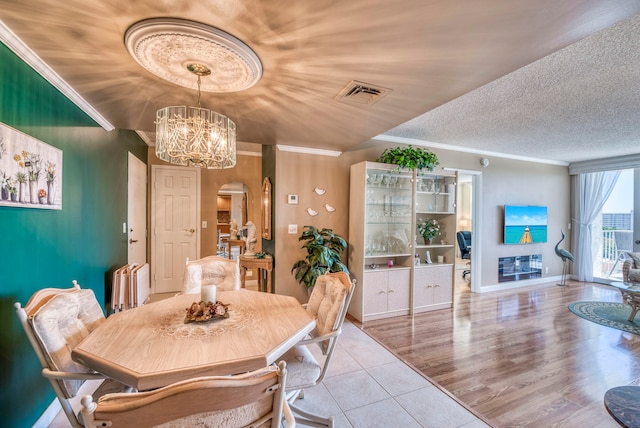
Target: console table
<point x="264" y="265"/>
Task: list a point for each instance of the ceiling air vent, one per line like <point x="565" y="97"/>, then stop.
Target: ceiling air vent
<point x="361" y="93"/>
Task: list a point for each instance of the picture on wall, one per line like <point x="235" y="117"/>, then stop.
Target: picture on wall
<point x="525" y="224"/>
<point x="30" y="171"/>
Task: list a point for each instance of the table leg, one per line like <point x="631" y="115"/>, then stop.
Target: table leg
<point x="634" y="310"/>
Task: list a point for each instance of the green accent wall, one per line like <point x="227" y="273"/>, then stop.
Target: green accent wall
<point x="50" y="248"/>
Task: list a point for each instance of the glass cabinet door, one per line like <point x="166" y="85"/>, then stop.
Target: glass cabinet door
<point x="388" y="214"/>
<point x="435" y="194"/>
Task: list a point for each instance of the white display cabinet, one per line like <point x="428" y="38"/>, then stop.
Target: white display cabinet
<point x="385" y="204"/>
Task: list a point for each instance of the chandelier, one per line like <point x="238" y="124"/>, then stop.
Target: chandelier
<point x="195" y="136"/>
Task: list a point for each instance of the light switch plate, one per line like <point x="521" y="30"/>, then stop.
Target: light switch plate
<point x="204" y="224"/>
<point x="293" y="228"/>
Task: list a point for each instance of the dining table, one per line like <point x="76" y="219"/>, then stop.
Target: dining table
<point x="154" y="345"/>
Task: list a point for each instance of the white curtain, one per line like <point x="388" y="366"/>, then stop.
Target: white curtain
<point x="593" y="190"/>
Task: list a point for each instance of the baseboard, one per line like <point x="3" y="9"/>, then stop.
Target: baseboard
<point x="518" y="284"/>
<point x="49" y="415"/>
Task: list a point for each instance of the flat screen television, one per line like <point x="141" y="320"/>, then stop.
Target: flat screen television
<point x="525" y="224"/>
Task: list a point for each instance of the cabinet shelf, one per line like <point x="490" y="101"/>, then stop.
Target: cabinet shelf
<point x="435" y="246"/>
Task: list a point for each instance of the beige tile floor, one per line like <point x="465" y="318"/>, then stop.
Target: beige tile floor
<point x="367" y="386"/>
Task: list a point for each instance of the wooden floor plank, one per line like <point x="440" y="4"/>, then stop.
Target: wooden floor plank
<point x="520" y="358"/>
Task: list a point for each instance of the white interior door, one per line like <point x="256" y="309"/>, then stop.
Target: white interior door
<point x="175" y="223"/>
<point x="137" y="211"/>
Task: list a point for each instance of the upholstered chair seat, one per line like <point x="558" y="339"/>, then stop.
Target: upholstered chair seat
<point x="211" y="270"/>
<point x="254" y="399"/>
<point x="55" y="321"/>
<point x="328" y="304"/>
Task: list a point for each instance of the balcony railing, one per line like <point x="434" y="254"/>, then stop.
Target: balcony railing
<point x="614" y="244"/>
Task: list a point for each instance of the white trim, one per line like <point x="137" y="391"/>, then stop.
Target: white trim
<point x="607" y="164"/>
<point x="49" y="415"/>
<point x="145" y="137"/>
<point x="308" y="150"/>
<point x="423" y="143"/>
<point x="248" y="153"/>
<point x="18" y="47"/>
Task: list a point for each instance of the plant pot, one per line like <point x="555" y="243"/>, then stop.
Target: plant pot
<point x="14" y="197"/>
<point x="5" y="193"/>
<point x="43" y="200"/>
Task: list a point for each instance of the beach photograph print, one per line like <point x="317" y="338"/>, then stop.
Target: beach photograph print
<point x="30" y="171"/>
<point x="525" y="224"/>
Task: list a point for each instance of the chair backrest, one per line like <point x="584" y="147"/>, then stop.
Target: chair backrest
<point x="55" y="320"/>
<point x="252" y="399"/>
<point x="631" y="268"/>
<point x="211" y="270"/>
<point x="328" y="304"/>
<point x="464" y="238"/>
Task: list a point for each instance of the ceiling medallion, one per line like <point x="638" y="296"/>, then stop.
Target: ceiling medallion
<point x="166" y="46"/>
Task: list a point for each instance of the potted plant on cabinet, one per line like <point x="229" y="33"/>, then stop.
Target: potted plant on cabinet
<point x="324" y="250"/>
<point x="429" y="229"/>
<point x="410" y="158"/>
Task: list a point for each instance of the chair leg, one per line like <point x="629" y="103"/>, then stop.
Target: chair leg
<point x="310" y="419"/>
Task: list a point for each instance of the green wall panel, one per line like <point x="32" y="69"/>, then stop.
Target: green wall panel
<point x="49" y="248"/>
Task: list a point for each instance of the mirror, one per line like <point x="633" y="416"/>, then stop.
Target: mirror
<point x="266" y="208"/>
<point x="232" y="205"/>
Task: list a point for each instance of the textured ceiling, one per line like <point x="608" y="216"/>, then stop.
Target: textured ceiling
<point x="580" y="103"/>
<point x="428" y="52"/>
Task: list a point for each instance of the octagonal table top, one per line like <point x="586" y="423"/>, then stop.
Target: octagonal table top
<point x="151" y="346"/>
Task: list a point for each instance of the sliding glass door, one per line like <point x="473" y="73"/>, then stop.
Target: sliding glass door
<point x="615" y="231"/>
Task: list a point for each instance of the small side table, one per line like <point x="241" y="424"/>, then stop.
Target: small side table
<point x="264" y="266"/>
<point x="623" y="404"/>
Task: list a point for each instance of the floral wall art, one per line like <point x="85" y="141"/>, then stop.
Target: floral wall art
<point x="30" y="171"/>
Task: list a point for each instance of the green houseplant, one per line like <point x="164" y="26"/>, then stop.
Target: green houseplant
<point x="410" y="157"/>
<point x="429" y="229"/>
<point x="324" y="251"/>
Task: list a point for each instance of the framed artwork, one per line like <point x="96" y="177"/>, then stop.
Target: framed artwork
<point x="30" y="171"/>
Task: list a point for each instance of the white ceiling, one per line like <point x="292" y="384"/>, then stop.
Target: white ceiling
<point x="531" y="78"/>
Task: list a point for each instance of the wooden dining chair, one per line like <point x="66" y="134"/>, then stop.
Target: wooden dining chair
<point x="254" y="399"/>
<point x="328" y="304"/>
<point x="210" y="270"/>
<point x="55" y="320"/>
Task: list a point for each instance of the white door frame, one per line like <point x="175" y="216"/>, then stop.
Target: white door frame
<point x="476" y="226"/>
<point x="154" y="170"/>
<point x="136" y="210"/>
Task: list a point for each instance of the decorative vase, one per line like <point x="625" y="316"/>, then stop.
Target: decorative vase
<point x="14" y="197"/>
<point x="51" y="189"/>
<point x="5" y="193"/>
<point x="428" y="241"/>
<point x="43" y="200"/>
<point x="33" y="191"/>
<point x="22" y="193"/>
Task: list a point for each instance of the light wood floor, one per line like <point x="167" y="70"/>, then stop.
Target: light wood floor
<point x="520" y="358"/>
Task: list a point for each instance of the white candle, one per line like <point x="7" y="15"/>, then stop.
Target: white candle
<point x="208" y="293"/>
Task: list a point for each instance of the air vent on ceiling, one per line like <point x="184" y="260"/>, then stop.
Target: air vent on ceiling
<point x="361" y="93"/>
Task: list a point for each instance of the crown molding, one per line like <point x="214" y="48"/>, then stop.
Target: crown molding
<point x="308" y="150"/>
<point x="18" y="47"/>
<point x="424" y="143"/>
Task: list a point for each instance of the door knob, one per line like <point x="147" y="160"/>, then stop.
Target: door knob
<point x="189" y="230"/>
<point x="637" y="241"/>
<point x="131" y="241"/>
